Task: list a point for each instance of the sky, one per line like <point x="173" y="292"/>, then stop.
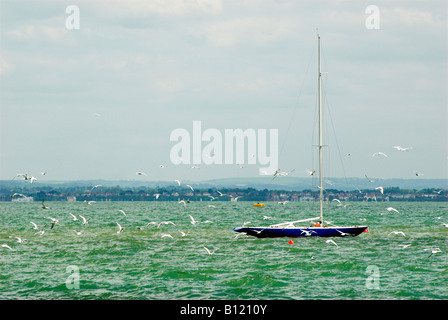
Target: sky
<point x="100" y="95"/>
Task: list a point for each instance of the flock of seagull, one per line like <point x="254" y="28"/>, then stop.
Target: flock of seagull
<point x="278" y="173"/>
<point x="53" y="222"/>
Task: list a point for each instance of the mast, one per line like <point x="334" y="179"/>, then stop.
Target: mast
<point x="321" y="195"/>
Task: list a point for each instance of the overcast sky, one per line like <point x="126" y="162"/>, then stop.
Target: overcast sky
<point x="101" y="101"/>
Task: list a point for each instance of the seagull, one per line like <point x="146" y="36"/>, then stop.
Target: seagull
<point x="444" y="224"/>
<point x="220" y="193"/>
<point x="338" y="201"/>
<point x="192" y="219"/>
<point x="404" y="246"/>
<point x="84" y="220"/>
<point x="283" y="202"/>
<point x="18" y="195"/>
<point x="183" y="202"/>
<point x="35" y="225"/>
<point x="122" y="211"/>
<point x="165" y="222"/>
<point x="266" y="218"/>
<point x="6" y="246"/>
<point x="178" y="182"/>
<point x="194" y="167"/>
<point x="210" y="252"/>
<point x="44" y="206"/>
<point x="190" y="187"/>
<point x="161" y="166"/>
<point x="42" y="231"/>
<point x="53" y="221"/>
<point x="240" y="233"/>
<point x="235" y="198"/>
<point x="43" y="173"/>
<point x="399" y="148"/>
<point x="212" y="198"/>
<point x="74" y="217"/>
<point x="308" y="233"/>
<point x="392" y="209"/>
<point x="20" y="240"/>
<point x="419" y="174"/>
<point x="370" y="180"/>
<point x="378" y="154"/>
<point x="157" y="195"/>
<point x="139" y="173"/>
<point x="120" y="228"/>
<point x="183" y="233"/>
<point x="397" y="232"/>
<point x="343" y="234"/>
<point x="435" y="250"/>
<point x="311" y="173"/>
<point x="381" y="189"/>
<point x="164" y="235"/>
<point x="78" y="232"/>
<point x="150" y="223"/>
<point x="331" y="241"/>
<point x="278" y="173"/>
<point x="32" y="179"/>
<point x="97" y="186"/>
<point x="89" y="203"/>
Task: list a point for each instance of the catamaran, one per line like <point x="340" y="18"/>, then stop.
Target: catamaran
<point x="320" y="228"/>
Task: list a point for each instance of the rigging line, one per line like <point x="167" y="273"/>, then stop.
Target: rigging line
<point x="327" y="109"/>
<point x="335" y="137"/>
<point x="295" y="106"/>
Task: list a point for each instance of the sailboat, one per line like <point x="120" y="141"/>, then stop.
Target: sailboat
<point x="293" y="229"/>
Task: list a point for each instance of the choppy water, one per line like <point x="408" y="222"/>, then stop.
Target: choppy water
<point x="140" y="264"/>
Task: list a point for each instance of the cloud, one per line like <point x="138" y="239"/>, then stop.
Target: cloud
<point x="160" y="7"/>
<point x="5" y="67"/>
<point x="252" y="30"/>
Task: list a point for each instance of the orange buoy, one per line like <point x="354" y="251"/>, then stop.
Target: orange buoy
<point x="290" y="241"/>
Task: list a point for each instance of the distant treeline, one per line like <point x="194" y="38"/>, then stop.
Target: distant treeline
<point x="28" y="192"/>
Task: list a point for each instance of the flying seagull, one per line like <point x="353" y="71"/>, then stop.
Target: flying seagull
<point x="6" y="246"/>
<point x="331" y="241"/>
<point x="122" y="211"/>
<point x="120" y="228"/>
<point x="53" y="221"/>
<point x="399" y="148"/>
<point x="192" y="219"/>
<point x="84" y="220"/>
<point x="392" y="209"/>
<point x="435" y="250"/>
<point x="44" y="206"/>
<point x="210" y="252"/>
<point x="397" y="232"/>
<point x="379" y="153"/>
<point x="74" y="217"/>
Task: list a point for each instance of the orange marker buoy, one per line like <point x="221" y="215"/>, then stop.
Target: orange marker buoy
<point x="290" y="241"/>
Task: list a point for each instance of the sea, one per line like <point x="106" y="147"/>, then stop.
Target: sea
<point x="151" y="260"/>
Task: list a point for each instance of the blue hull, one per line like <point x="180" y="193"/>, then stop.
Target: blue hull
<point x="268" y="232"/>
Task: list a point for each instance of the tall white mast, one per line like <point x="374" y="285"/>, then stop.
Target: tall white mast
<point x="321" y="195"/>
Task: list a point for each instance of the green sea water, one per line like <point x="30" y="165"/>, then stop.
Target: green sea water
<point x="100" y="263"/>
